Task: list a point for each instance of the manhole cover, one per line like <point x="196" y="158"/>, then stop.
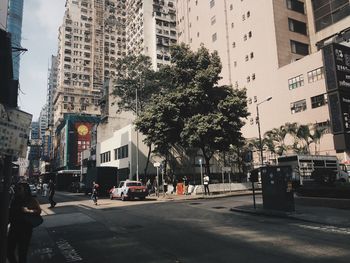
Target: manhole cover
<point x="219" y="207"/>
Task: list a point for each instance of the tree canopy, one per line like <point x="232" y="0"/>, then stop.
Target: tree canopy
<point x="196" y="112"/>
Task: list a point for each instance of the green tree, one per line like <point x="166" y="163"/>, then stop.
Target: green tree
<point x="135" y="75"/>
<point x="197" y="113"/>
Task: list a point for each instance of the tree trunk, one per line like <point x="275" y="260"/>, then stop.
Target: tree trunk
<point x="148" y="158"/>
<point x="207" y="160"/>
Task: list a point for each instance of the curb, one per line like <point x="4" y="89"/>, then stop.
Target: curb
<point x="208" y="197"/>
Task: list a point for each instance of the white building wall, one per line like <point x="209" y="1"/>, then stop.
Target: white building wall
<point x="256" y="62"/>
<point x="122" y="137"/>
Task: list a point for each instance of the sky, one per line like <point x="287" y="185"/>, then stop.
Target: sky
<point x="41" y="20"/>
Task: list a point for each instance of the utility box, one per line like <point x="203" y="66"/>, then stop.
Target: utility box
<point x="277" y="188"/>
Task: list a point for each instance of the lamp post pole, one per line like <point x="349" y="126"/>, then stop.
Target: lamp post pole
<point x="137" y="139"/>
<point x="258" y="121"/>
<point x="200" y="163"/>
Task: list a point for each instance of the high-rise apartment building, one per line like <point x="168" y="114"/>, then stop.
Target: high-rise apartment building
<point x="91" y="38"/>
<point x="151" y="29"/>
<point x="3" y="14"/>
<point x="14" y="26"/>
<point x="43" y="121"/>
<point x="270" y="48"/>
<point x="51" y="88"/>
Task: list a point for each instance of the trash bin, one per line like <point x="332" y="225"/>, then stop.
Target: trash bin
<point x="277" y="188"/>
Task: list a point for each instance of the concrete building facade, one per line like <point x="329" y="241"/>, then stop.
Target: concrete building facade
<point x="51" y="89"/>
<point x="270" y="48"/>
<point x="90" y="40"/>
<point x="3" y="14"/>
<point x="14" y="26"/>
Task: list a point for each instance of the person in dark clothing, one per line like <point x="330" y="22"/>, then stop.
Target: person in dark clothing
<point x="94" y="195"/>
<point x="20" y="231"/>
<point x="51" y="194"/>
<point x="174" y="185"/>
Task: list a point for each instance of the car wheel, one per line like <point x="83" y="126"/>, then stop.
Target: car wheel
<point x="123" y="197"/>
<point x="111" y="196"/>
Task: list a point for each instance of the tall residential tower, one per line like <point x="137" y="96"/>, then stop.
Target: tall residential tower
<point x="271" y="48"/>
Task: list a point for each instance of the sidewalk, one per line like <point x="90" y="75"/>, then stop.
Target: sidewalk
<point x="313" y="214"/>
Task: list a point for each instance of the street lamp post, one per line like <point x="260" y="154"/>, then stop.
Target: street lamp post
<point x="137" y="139"/>
<point x="258" y="121"/>
<point x="200" y="163"/>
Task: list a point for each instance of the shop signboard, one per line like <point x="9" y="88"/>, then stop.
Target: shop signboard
<point x="14" y="131"/>
<point x="336" y="60"/>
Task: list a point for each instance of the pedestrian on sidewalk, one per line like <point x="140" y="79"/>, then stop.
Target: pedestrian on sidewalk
<point x="45" y="188"/>
<point x="20" y="232"/>
<point x="174" y="184"/>
<point x="51" y="187"/>
<point x="185" y="183"/>
<point x="206" y="184"/>
<point x="94" y="195"/>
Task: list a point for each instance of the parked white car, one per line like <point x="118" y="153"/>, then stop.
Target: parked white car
<point x="129" y="190"/>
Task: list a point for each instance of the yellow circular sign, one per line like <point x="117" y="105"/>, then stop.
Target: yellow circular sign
<point x="83" y="130"/>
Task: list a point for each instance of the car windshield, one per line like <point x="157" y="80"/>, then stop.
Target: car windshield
<point x="133" y="184"/>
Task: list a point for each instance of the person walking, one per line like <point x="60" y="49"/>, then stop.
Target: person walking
<point x="45" y="188"/>
<point x="20" y="232"/>
<point x="174" y="185"/>
<point x="51" y="187"/>
<point x="206" y="184"/>
<point x="94" y="195"/>
<point x="185" y="184"/>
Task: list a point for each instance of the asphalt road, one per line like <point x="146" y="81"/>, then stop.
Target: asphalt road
<point x="179" y="231"/>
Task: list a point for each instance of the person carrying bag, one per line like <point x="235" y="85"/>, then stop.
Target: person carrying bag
<point x="24" y="216"/>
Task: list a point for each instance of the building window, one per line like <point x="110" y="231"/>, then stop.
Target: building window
<point x="251" y="121"/>
<point x="250" y="34"/>
<point x="214" y="37"/>
<point x="248" y="14"/>
<point x="296" y="6"/>
<point x="324" y="125"/>
<point x="213" y="20"/>
<point x="253" y="76"/>
<point x="121" y="152"/>
<point x="246" y="58"/>
<point x="212" y="3"/>
<point x="234" y="44"/>
<point x="245" y="37"/>
<point x="328" y="12"/>
<point x="297" y="26"/>
<point x="232" y="25"/>
<point x="251" y="55"/>
<point x="298" y="106"/>
<point x="315" y="75"/>
<point x="235" y="63"/>
<point x="296" y="82"/>
<point x="299" y="48"/>
<point x="318" y="101"/>
<point x="231" y="6"/>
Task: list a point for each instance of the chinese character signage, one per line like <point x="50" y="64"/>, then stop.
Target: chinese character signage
<point x="336" y="60"/>
<point x="14" y="130"/>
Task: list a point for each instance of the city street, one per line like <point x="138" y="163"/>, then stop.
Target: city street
<point x="203" y="230"/>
